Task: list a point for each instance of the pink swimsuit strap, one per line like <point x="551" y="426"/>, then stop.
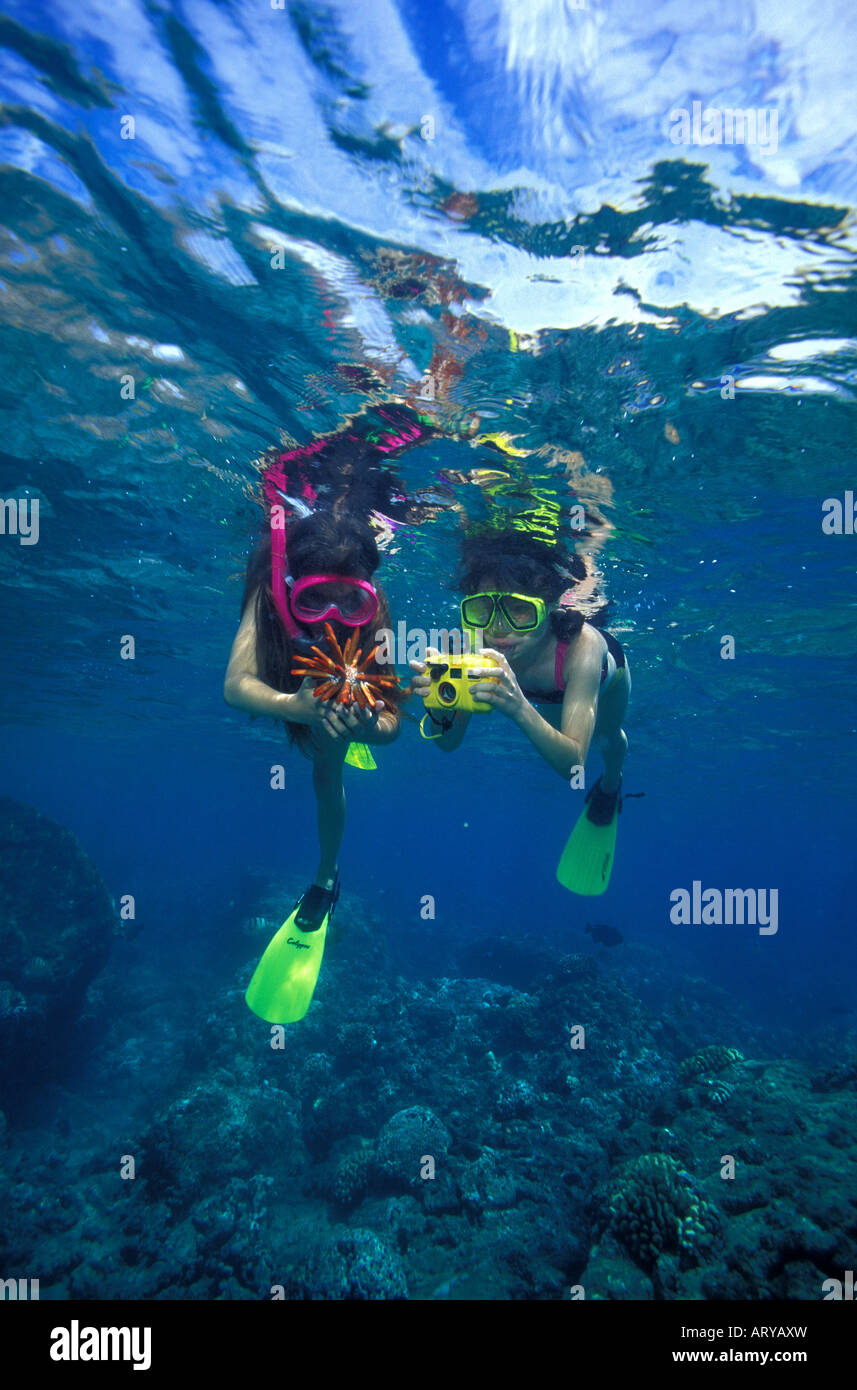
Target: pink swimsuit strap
<point x="562" y="648"/>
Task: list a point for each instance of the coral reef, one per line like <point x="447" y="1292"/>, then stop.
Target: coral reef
<point x="406" y="1139"/>
<point x="842" y="1077"/>
<point x="709" y="1061"/>
<point x="352" y="1174"/>
<point x="656" y="1208"/>
<point x="349" y="1263"/>
<point x="57" y="924"/>
<point x="299" y="1166"/>
<point x="702" y="1075"/>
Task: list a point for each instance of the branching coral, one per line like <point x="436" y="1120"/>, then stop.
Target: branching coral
<point x="656" y="1208"/>
<point x="351" y="1178"/>
<point x="710" y="1061"/>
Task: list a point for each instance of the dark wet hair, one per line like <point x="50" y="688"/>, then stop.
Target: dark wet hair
<point x="328" y="543"/>
<point x="522" y="564"/>
<point x="323" y="543"/>
<point x="356" y="464"/>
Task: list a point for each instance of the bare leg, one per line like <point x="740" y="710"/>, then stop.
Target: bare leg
<point x="609" y="734"/>
<point x="328" y="758"/>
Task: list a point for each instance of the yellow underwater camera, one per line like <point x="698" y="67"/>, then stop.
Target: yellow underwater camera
<point x="451" y="679"/>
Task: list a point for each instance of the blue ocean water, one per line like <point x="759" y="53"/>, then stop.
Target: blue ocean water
<point x="227" y="205"/>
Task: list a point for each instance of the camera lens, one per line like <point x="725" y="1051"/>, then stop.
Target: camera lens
<point x="447" y="693"/>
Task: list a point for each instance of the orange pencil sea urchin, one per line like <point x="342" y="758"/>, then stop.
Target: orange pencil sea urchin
<point x="343" y="677"/>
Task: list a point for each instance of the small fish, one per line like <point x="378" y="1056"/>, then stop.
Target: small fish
<point x="604" y="935"/>
<point x="255" y="926"/>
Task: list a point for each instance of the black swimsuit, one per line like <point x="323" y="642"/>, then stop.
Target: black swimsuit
<point x="557" y="695"/>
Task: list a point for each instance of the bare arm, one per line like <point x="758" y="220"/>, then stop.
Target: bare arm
<point x="243" y="689"/>
<point x="568" y="746"/>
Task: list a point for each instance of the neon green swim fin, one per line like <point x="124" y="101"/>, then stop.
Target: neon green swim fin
<point x="360" y="755"/>
<point x="284" y="981"/>
<point x="587" y="860"/>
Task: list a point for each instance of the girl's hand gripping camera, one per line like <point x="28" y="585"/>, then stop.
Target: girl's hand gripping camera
<point x="451" y="679"/>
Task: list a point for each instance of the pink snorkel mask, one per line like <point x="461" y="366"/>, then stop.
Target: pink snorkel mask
<point x="317" y="597"/>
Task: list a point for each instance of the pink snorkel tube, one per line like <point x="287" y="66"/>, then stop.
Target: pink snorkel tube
<point x="290" y="610"/>
<point x="275" y="485"/>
